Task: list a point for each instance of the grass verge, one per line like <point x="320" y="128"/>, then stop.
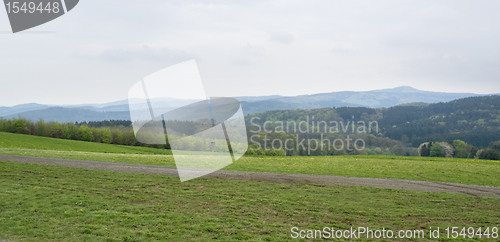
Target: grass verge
<point x="50" y="203"/>
<point x="466" y="171"/>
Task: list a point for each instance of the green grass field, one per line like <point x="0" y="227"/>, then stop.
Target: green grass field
<point x="8" y="140"/>
<point x="50" y="203"/>
<point x="466" y="171"/>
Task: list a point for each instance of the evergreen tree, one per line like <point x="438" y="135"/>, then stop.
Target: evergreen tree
<point x="424" y="151"/>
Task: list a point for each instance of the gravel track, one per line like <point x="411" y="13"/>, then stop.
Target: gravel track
<point x="427" y="186"/>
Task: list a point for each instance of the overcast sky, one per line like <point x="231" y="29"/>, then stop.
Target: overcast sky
<point x="97" y="51"/>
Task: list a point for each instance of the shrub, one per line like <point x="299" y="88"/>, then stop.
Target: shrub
<point x="21" y="125"/>
<point x="489" y="154"/>
<point x="260" y="152"/>
<point x="250" y="152"/>
<point x="425" y="149"/>
<point x="460" y="149"/>
<point x="85" y="133"/>
<point x="106" y="136"/>
<point x="437" y="150"/>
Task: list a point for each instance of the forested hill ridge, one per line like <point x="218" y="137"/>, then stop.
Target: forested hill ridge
<point x="475" y="120"/>
<point x="383" y="98"/>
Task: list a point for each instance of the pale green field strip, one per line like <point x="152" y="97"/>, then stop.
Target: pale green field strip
<point x="427" y="186"/>
<point x="464" y="171"/>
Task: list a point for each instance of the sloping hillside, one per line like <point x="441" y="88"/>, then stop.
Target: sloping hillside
<point x="475" y="120"/>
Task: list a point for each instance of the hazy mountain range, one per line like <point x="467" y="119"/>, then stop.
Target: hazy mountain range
<point x="119" y="110"/>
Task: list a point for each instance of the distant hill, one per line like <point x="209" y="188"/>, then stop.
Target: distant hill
<point x="373" y="99"/>
<point x="289" y="103"/>
<point x="257" y="98"/>
<point x="70" y="115"/>
<point x="417" y="104"/>
<point x="475" y="120"/>
<point x="115" y="110"/>
<point x="5" y="111"/>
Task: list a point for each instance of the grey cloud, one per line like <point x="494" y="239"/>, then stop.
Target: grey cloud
<point x="342" y="51"/>
<point x="281" y="37"/>
<point x="453" y="69"/>
<point x="248" y="55"/>
<point x="147" y="53"/>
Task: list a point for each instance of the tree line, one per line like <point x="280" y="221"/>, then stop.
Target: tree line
<point x="460" y="149"/>
<point x="119" y="135"/>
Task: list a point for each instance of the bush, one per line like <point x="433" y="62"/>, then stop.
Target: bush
<point x="85" y="133"/>
<point x="56" y="131"/>
<point x="410" y="151"/>
<point x="425" y="149"/>
<point x="489" y="154"/>
<point x="21" y="126"/>
<point x="106" y="136"/>
<point x="472" y="151"/>
<point x="460" y="149"/>
<point x="281" y="152"/>
<point x="250" y="152"/>
<point x="41" y="128"/>
<point x="271" y="152"/>
<point x="437" y="150"/>
<point x="397" y="150"/>
<point x="260" y="152"/>
<point x="117" y="136"/>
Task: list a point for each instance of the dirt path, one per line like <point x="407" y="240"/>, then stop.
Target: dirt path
<point x="268" y="177"/>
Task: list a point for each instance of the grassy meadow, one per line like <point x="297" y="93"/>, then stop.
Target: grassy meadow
<point x="51" y="203"/>
<point x="21" y="141"/>
<point x="466" y="171"/>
